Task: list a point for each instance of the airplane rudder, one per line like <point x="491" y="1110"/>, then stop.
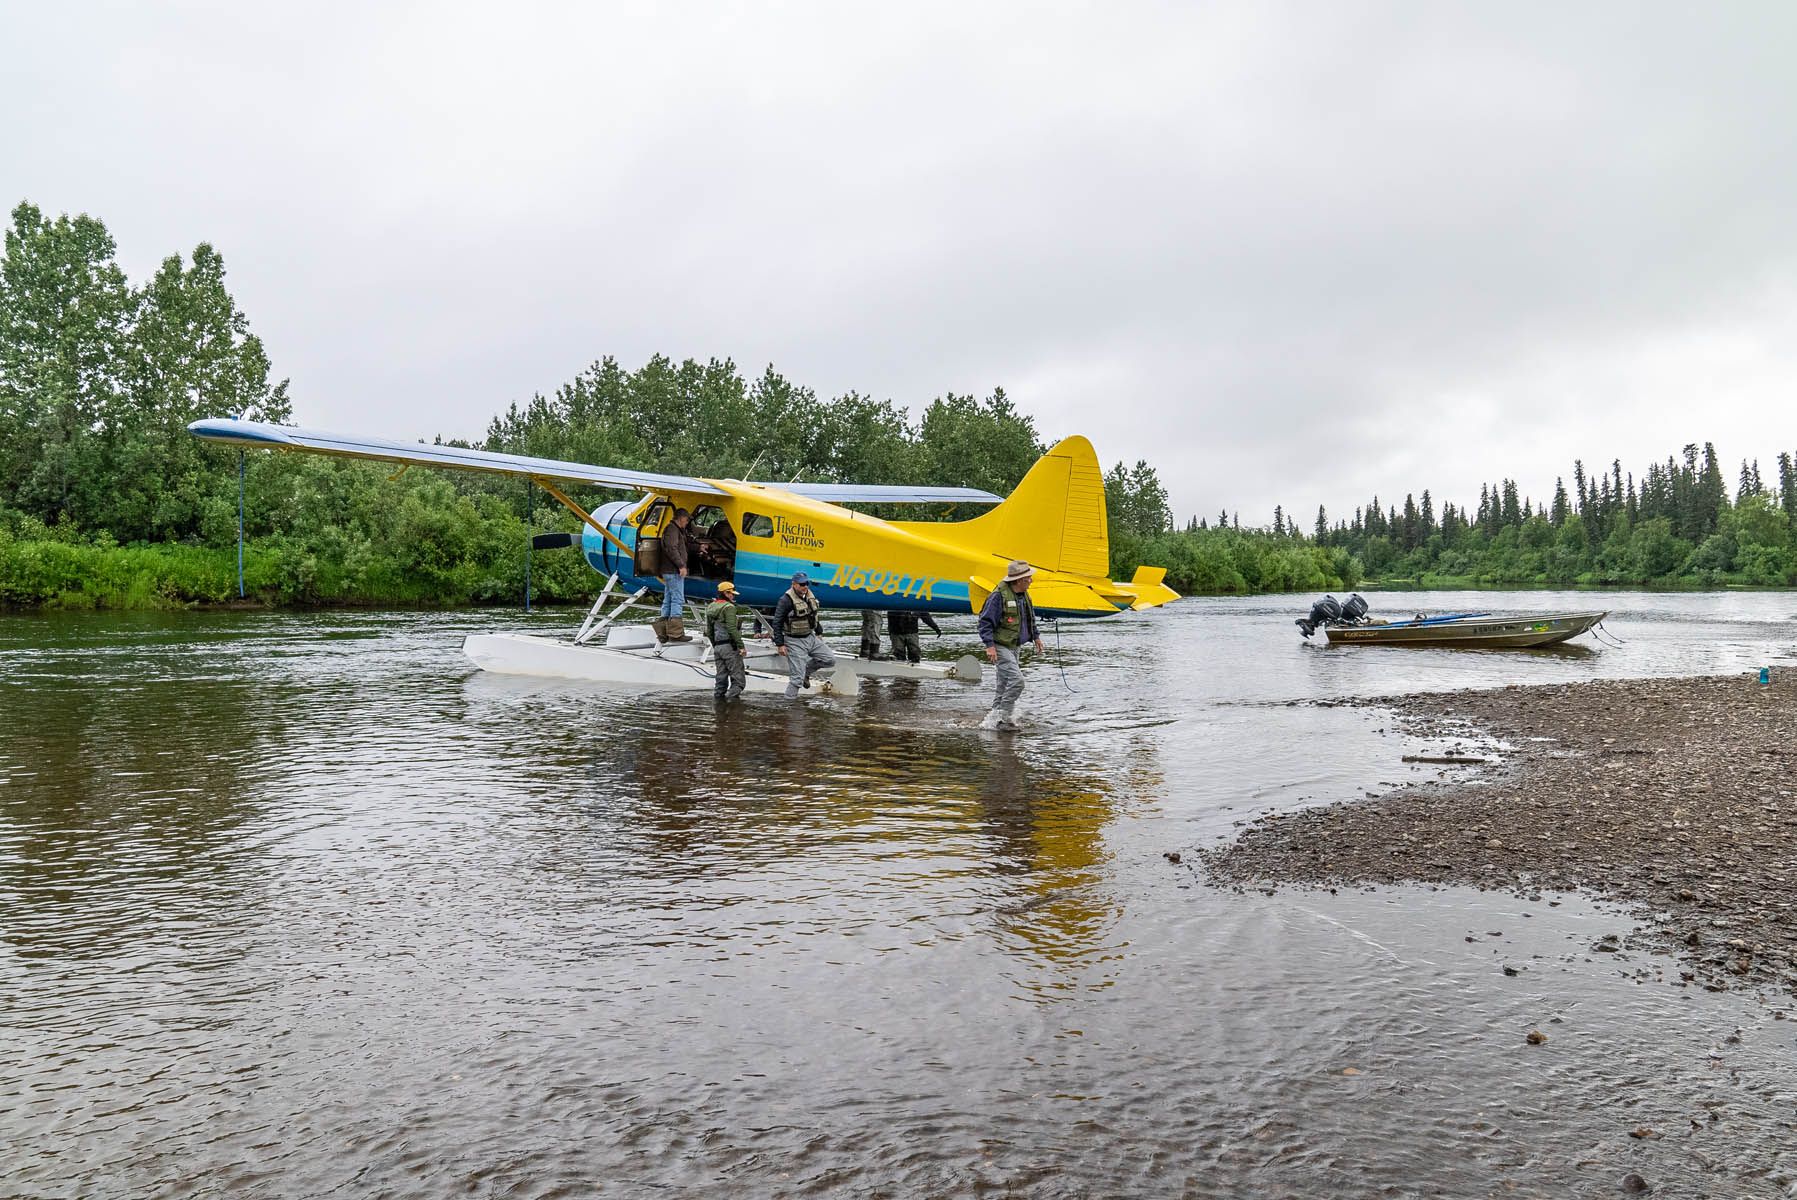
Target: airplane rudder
<point x="1054" y="518"/>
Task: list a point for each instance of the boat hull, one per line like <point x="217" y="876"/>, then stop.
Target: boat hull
<point x="1497" y="633"/>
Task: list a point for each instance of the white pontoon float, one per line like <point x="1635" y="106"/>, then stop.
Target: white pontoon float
<point x="605" y="652"/>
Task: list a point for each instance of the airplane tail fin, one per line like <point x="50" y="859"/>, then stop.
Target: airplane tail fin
<point x="1054" y="519"/>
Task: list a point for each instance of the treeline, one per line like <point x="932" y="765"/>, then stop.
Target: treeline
<point x="1201" y="559"/>
<point x="1677" y="523"/>
<point x="695" y="418"/>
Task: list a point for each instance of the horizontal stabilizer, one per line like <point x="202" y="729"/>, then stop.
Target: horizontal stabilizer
<point x="1052" y="597"/>
<point x="1148" y="589"/>
<point x="317" y="441"/>
<point x="553" y="541"/>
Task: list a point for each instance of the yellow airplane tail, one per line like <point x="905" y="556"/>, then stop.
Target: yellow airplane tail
<point x="1054" y="519"/>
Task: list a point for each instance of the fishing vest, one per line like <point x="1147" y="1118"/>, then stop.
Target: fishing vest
<point x="802" y="622"/>
<point x="1010" y="618"/>
<point x="720" y="623"/>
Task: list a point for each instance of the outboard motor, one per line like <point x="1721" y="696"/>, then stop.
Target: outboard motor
<point x="1353" y="609"/>
<point x="1322" y="613"/>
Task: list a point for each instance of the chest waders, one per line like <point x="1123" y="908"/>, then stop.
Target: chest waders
<point x="805" y="650"/>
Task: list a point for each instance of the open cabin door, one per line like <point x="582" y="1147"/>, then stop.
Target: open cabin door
<point x="710" y="540"/>
<point x="650" y="520"/>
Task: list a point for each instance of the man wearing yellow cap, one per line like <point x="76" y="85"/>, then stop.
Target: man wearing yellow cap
<point x="726" y="644"/>
<point x="1007" y="621"/>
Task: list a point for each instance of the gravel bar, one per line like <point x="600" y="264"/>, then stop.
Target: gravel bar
<point x="1678" y="795"/>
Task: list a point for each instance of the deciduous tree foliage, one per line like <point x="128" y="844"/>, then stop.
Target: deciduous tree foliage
<point x="98" y="381"/>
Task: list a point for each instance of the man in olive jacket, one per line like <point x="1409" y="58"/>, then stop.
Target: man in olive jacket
<point x="726" y="644"/>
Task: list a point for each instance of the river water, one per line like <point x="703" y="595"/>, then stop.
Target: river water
<point x="302" y="905"/>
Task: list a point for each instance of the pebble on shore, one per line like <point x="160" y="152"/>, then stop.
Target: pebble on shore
<point x="1676" y="794"/>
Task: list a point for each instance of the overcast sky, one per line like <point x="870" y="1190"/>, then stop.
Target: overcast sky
<point x="1289" y="254"/>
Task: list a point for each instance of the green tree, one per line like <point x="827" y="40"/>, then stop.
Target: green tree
<point x="194" y="357"/>
<point x="964" y="442"/>
<point x="65" y="325"/>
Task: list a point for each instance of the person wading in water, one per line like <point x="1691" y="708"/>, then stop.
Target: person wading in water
<point x="799" y="635"/>
<point x="902" y="626"/>
<point x="726" y="643"/>
<point x="1007" y="621"/>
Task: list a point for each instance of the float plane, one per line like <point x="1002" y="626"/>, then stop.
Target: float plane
<point x="758" y="534"/>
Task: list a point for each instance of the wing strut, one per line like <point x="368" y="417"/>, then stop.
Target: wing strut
<point x="580" y="512"/>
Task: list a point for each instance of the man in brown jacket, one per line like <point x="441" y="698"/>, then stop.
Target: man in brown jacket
<point x="675" y="551"/>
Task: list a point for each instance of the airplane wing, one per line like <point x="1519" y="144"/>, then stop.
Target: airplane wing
<point x="863" y="493"/>
<point x="318" y="441"/>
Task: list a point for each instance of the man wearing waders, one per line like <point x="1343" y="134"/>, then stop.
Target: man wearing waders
<point x="1007" y="621"/>
<point x="870" y="633"/>
<point x="726" y="643"/>
<point x="902" y="626"/>
<point x="798" y="635"/>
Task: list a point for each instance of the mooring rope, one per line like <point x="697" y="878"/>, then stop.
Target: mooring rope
<point x="1059" y="664"/>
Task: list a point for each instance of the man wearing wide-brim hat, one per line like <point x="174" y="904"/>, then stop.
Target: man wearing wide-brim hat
<point x="1007" y="622"/>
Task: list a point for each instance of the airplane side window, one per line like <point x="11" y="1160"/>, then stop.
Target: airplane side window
<point x="654" y="515"/>
<point x="756" y="525"/>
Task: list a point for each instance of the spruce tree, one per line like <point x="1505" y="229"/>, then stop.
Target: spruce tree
<point x="1712" y="492"/>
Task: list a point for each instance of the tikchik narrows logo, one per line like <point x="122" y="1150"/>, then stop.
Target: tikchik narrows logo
<point x="797" y="533"/>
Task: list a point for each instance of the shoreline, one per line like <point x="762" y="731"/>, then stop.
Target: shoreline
<point x="1677" y="796"/>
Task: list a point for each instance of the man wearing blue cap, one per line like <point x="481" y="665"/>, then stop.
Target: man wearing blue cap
<point x="798" y="635"/>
